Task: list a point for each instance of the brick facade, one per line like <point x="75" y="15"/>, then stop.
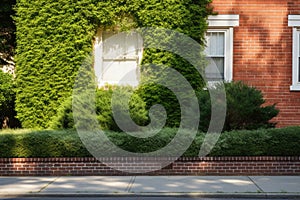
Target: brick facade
<point x="263" y="51"/>
<point x="183" y="166"/>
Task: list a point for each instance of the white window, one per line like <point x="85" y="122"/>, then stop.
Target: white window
<point x="117" y="58"/>
<point x="215" y="51"/>
<point x="294" y="21"/>
<point x="219" y="47"/>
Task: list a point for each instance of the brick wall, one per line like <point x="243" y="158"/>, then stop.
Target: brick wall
<point x="263" y="51"/>
<point x="183" y="166"/>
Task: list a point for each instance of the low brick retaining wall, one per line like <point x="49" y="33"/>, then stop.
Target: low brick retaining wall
<point x="182" y="166"/>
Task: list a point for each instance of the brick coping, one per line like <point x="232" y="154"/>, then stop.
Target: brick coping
<point x="130" y="159"/>
<point x="90" y="166"/>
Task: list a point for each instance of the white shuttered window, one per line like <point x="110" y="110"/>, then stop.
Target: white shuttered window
<point x="294" y="21"/>
<point x="219" y="47"/>
<point x="117" y="58"/>
<point x="215" y="51"/>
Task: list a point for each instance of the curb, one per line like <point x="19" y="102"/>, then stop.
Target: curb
<point x="199" y="195"/>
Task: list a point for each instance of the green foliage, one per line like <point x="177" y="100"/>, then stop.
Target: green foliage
<point x="6" y="90"/>
<point x="54" y="38"/>
<point x="63" y="143"/>
<point x="137" y="110"/>
<point x="64" y="117"/>
<point x="263" y="142"/>
<point x="7" y="101"/>
<point x="106" y="105"/>
<point x="245" y="109"/>
<point x="154" y="94"/>
<point x="205" y="109"/>
<point x="66" y="143"/>
<point x="7" y="32"/>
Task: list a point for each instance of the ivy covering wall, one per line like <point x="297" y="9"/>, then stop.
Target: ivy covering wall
<point x="54" y="37"/>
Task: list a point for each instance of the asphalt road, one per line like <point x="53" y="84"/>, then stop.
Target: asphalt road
<point x="125" y="198"/>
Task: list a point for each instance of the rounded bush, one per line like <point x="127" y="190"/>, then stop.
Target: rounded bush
<point x="245" y="109"/>
<point x="137" y="109"/>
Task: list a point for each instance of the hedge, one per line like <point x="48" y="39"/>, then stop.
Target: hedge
<point x="54" y="37"/>
<point x="66" y="143"/>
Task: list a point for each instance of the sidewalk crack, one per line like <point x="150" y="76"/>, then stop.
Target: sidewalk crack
<point x="259" y="188"/>
<point x="49" y="183"/>
<point x="130" y="184"/>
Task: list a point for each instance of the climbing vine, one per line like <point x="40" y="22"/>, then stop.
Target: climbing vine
<point x="54" y="37"/>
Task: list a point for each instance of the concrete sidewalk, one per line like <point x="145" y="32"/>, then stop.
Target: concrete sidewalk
<point x="202" y="186"/>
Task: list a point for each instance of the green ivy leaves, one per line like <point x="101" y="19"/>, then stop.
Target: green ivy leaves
<point x="54" y="37"/>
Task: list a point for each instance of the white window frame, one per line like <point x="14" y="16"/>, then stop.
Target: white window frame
<point x="98" y="60"/>
<point x="294" y="22"/>
<point x="225" y="23"/>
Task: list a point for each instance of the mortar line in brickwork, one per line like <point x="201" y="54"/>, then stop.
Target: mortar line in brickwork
<point x="260" y="189"/>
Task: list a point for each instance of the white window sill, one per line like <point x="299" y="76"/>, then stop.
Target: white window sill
<point x="295" y="87"/>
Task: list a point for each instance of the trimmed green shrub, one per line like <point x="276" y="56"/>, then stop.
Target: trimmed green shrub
<point x="66" y="143"/>
<point x="54" y="37"/>
<point x="245" y="109"/>
<point x="7" y="102"/>
<point x="263" y="142"/>
<point x="137" y="110"/>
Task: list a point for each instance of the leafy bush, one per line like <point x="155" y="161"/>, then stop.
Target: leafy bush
<point x="66" y="143"/>
<point x="138" y="113"/>
<point x="64" y="117"/>
<point x="7" y="101"/>
<point x="245" y="108"/>
<point x="105" y="102"/>
<point x="158" y="95"/>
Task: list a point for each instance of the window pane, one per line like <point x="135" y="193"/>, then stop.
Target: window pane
<point x="119" y="59"/>
<point x="113" y="48"/>
<point x="299" y="44"/>
<point x="211" y="72"/>
<point x="215" y="43"/>
<point x="299" y="69"/>
<point x="215" y="51"/>
<point x="299" y="57"/>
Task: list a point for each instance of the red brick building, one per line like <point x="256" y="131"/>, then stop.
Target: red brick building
<point x="256" y="41"/>
<point x="261" y="48"/>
